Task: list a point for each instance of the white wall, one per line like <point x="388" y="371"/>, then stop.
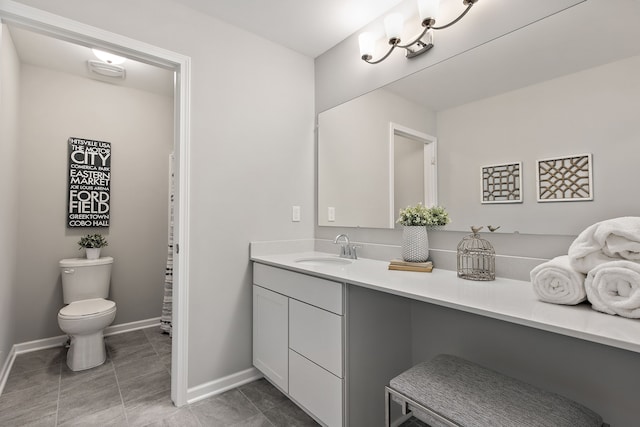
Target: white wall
<point x="139" y="126"/>
<point x="9" y="102"/>
<point x="252" y="159"/>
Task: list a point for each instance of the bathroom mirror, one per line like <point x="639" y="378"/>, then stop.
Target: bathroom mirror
<point x="552" y="89"/>
<point x="359" y="145"/>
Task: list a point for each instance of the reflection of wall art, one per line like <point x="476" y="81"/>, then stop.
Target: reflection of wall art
<point x="501" y="183"/>
<point x="565" y="179"/>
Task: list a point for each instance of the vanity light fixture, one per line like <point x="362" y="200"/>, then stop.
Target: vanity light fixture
<point x="428" y="10"/>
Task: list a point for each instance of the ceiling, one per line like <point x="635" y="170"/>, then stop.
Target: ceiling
<point x="310" y="27"/>
<point x="47" y="52"/>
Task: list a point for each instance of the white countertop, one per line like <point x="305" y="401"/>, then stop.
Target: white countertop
<point x="504" y="299"/>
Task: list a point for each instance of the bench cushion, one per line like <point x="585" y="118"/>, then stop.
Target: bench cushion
<point x="471" y="395"/>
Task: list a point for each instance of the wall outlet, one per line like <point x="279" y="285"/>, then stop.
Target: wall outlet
<point x="295" y="213"/>
<point x="331" y="214"/>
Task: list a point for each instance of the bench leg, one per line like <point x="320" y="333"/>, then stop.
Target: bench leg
<point x="387" y="408"/>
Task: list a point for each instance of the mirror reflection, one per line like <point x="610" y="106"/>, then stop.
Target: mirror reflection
<point x="553" y="89"/>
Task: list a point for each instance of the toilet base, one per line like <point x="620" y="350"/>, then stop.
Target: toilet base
<point x="86" y="351"/>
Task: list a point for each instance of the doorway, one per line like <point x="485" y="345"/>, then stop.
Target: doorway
<point x="61" y="28"/>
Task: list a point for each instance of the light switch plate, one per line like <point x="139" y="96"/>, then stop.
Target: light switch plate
<point x="331" y="214"/>
<point x="295" y="213"/>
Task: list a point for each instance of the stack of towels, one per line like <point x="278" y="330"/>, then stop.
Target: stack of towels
<point x="602" y="266"/>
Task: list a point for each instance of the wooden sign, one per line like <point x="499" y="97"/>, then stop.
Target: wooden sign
<point x="89" y="193"/>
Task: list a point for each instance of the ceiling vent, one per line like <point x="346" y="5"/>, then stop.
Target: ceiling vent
<point x="106" y="70"/>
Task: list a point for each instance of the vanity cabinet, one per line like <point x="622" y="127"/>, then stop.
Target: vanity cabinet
<point x="298" y="338"/>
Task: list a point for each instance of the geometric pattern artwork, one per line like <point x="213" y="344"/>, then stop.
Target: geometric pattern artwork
<point x="501" y="183"/>
<point x="565" y="179"/>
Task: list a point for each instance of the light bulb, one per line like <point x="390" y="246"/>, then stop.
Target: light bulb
<point x="367" y="45"/>
<point x="428" y="9"/>
<point x="393" y="26"/>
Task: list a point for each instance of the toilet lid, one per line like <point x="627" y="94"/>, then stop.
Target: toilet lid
<point x="87" y="307"/>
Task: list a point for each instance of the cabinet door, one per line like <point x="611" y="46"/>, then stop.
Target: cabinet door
<point x="271" y="336"/>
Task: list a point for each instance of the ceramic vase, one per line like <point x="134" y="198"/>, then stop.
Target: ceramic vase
<point x="92" y="253"/>
<point x="415" y="243"/>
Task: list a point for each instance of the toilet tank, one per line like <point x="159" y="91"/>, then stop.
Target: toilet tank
<point x="85" y="278"/>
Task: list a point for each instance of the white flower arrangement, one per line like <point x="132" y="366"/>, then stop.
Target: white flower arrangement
<point x="423" y="216"/>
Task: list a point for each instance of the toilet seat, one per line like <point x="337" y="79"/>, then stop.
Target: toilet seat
<point x="87" y="309"/>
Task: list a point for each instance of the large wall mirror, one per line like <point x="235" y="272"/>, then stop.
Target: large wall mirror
<point x="556" y="88"/>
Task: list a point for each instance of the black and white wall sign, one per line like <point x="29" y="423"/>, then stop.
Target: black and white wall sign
<point x="89" y="183"/>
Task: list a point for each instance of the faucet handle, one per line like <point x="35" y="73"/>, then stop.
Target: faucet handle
<point x="354" y="252"/>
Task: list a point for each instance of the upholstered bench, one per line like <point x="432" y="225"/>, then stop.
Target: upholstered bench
<point x="450" y="391"/>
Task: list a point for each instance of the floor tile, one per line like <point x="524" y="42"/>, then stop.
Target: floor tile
<point x="46" y="377"/>
<point x="256" y="421"/>
<point x="39" y="359"/>
<point x="226" y="409"/>
<point x="183" y="417"/>
<point x="127" y="338"/>
<point x="28" y="406"/>
<point x="263" y="394"/>
<point x="288" y="414"/>
<point x="151" y="409"/>
<point x="139" y="387"/>
<point x="132" y="388"/>
<point x="69" y="378"/>
<point x="132" y="368"/>
<point x="84" y="398"/>
<point x="109" y="417"/>
<point x="124" y="354"/>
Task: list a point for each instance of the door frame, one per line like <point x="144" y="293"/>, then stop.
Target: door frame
<point x="76" y="32"/>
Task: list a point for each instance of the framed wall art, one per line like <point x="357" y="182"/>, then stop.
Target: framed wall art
<point x="501" y="183"/>
<point x="565" y="179"/>
<point x="89" y="183"/>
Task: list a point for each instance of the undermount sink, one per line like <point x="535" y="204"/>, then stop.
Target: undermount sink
<point x="324" y="260"/>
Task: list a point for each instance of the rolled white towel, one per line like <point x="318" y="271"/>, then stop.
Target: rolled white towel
<point x="605" y="241"/>
<point x="556" y="282"/>
<point x="614" y="288"/>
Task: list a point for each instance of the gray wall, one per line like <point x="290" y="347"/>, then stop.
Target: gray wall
<point x="600" y="377"/>
<point x="139" y="126"/>
<point x="252" y="121"/>
<point x="9" y="84"/>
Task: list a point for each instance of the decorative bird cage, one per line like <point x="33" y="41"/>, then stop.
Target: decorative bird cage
<point x="476" y="257"/>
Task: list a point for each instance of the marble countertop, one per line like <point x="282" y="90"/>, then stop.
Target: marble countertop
<point x="504" y="299"/>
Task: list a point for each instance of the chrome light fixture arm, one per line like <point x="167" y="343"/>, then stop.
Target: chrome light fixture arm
<point x="469" y="4"/>
<point x="421" y="46"/>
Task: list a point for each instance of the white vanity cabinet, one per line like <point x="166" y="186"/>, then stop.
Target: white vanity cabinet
<point x="298" y="338"/>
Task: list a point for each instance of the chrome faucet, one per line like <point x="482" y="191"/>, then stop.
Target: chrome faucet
<point x="347" y="250"/>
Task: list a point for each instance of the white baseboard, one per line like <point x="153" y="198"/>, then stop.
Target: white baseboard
<point x="6" y="368"/>
<point x="132" y="326"/>
<point x="58" y="341"/>
<point x="222" y="384"/>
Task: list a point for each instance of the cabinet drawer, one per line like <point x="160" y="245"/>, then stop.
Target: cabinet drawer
<point x="317" y="335"/>
<point x="322" y="293"/>
<point x="319" y="391"/>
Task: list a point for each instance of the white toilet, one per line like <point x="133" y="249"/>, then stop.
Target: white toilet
<point x="85" y="288"/>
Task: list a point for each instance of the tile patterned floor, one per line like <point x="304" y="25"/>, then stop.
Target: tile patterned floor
<point x="132" y="388"/>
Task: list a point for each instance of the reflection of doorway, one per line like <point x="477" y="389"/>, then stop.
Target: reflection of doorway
<point x="413" y="175"/>
<point x="80" y="34"/>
